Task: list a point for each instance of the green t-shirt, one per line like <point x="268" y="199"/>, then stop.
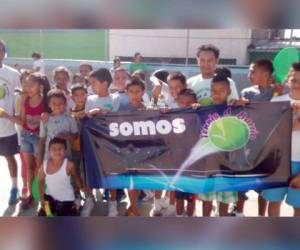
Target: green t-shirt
<point x="137" y="66"/>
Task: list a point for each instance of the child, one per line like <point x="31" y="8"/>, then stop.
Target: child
<point x="79" y="96"/>
<point x="33" y="106"/>
<point x="261" y="77"/>
<point x="185" y="98"/>
<point x="85" y="69"/>
<point x="121" y="76"/>
<point x="38" y="63"/>
<point x="220" y="91"/>
<point x="102" y="103"/>
<point x="56" y="173"/>
<point x="275" y="196"/>
<point x="62" y="81"/>
<point x="59" y="124"/>
<point x="77" y="78"/>
<point x="176" y="83"/>
<point x="135" y="90"/>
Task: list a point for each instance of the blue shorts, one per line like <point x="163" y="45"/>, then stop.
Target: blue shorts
<point x="279" y="194"/>
<point x="29" y="142"/>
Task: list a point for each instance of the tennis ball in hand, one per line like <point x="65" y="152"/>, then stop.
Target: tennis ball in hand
<point x="229" y="133"/>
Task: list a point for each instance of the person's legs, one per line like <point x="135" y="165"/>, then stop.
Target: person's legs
<point x="24" y="175"/>
<point x="133" y="196"/>
<point x="296" y="212"/>
<point x="179" y="207"/>
<point x="12" y="166"/>
<point x="262" y="205"/>
<point x="241" y="202"/>
<point x="112" y="207"/>
<point x="223" y="209"/>
<point x="191" y="206"/>
<point x="274" y="196"/>
<point x="207" y="208"/>
<point x="293" y="195"/>
<point x="171" y="209"/>
<point x="30" y="164"/>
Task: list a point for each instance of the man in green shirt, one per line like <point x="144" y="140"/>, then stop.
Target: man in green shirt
<point x="137" y="64"/>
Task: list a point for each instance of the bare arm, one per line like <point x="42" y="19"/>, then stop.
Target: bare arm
<point x="41" y="183"/>
<point x="72" y="172"/>
<point x="41" y="151"/>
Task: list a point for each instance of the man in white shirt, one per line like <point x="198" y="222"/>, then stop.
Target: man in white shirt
<point x="9" y="80"/>
<point x="38" y="63"/>
<point x="207" y="58"/>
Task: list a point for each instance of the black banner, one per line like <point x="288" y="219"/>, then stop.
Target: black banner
<point x="217" y="148"/>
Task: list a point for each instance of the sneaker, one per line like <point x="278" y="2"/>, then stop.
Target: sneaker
<point x="164" y="202"/>
<point x="88" y="207"/>
<point x="112" y="209"/>
<point x="27" y="203"/>
<point x="148" y="195"/>
<point x="14" y="196"/>
<point x="170" y="211"/>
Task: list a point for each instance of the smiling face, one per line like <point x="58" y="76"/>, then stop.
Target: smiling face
<point x="57" y="151"/>
<point x="257" y="76"/>
<point x="79" y="97"/>
<point x="220" y="92"/>
<point x="61" y="79"/>
<point x="99" y="88"/>
<point x="207" y="62"/>
<point x="175" y="86"/>
<point x="294" y="81"/>
<point x="33" y="88"/>
<point x="57" y="105"/>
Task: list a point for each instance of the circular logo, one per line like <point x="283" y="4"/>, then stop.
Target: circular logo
<point x="229" y="133"/>
<point x="2" y="92"/>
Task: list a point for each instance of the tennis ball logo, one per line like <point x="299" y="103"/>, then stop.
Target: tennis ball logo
<point x="206" y="101"/>
<point x="2" y="92"/>
<point x="229" y="133"/>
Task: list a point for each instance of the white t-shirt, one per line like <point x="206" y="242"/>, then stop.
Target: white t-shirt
<point x="39" y="64"/>
<point x="106" y="102"/>
<point x="202" y="89"/>
<point x="9" y="80"/>
<point x="295" y="133"/>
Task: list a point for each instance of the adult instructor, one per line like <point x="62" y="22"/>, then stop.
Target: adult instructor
<point x="9" y="80"/>
<point x="207" y="59"/>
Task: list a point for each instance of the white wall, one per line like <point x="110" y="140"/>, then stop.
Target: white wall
<point x="173" y="42"/>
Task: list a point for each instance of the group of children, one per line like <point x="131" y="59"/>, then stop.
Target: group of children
<point x="49" y="118"/>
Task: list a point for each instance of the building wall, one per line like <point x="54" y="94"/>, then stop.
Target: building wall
<point x="174" y="42"/>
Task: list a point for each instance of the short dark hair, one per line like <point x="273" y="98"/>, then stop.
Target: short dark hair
<point x="223" y="71"/>
<point x="209" y="47"/>
<point x="86" y="65"/>
<point x="161" y="74"/>
<point x="122" y="70"/>
<point x="220" y="78"/>
<point x="139" y="74"/>
<point x="137" y="54"/>
<point x="296" y="66"/>
<point x="177" y="76"/>
<point x="135" y="81"/>
<point x="78" y="86"/>
<point x="265" y="65"/>
<point x="102" y="75"/>
<point x="57" y="140"/>
<point x="189" y="93"/>
<point x="56" y="93"/>
<point x="36" y="55"/>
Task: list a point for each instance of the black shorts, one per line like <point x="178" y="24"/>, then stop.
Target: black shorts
<point x="9" y="145"/>
<point x="59" y="208"/>
<point x="185" y="196"/>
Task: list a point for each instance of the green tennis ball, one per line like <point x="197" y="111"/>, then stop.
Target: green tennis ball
<point x="229" y="133"/>
<point x="206" y="101"/>
<point x="2" y="92"/>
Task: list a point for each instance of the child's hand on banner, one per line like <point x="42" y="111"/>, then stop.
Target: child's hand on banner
<point x="240" y="102"/>
<point x="164" y="110"/>
<point x="295" y="182"/>
<point x="196" y="105"/>
<point x="44" y="117"/>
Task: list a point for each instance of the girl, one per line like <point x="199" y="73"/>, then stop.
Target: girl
<point x="62" y="81"/>
<point x="33" y="106"/>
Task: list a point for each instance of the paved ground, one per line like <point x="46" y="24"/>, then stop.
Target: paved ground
<point x="101" y="207"/>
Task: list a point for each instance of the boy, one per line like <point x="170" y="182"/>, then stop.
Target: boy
<point x="121" y="76"/>
<point x="59" y="125"/>
<point x="135" y="89"/>
<point x="275" y="196"/>
<point x="261" y="77"/>
<point x="79" y="96"/>
<point x="220" y="91"/>
<point x="176" y="83"/>
<point x="186" y="98"/>
<point x="56" y="172"/>
<point x="101" y="103"/>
